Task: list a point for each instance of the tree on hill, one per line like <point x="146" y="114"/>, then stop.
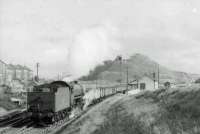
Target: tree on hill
<point x="138" y="65"/>
<point x="167" y="85"/>
<point x="93" y="74"/>
<point x="197" y="81"/>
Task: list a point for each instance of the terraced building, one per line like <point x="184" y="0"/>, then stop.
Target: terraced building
<point x="2" y="72"/>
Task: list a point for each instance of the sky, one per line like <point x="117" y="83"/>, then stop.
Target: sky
<point x="72" y="36"/>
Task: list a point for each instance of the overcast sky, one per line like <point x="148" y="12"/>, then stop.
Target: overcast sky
<point x="72" y="36"/>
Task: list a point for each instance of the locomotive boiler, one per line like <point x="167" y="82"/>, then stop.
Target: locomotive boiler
<point x="78" y="93"/>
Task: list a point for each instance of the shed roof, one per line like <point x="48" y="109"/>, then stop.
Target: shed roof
<point x="3" y="62"/>
<point x="135" y="80"/>
<point x="20" y="67"/>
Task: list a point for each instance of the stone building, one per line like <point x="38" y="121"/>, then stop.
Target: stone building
<point x="2" y="72"/>
<point x="144" y="83"/>
<point x="19" y="72"/>
<point x="16" y="77"/>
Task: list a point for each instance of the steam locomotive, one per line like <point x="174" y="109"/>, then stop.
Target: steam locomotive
<point x="54" y="101"/>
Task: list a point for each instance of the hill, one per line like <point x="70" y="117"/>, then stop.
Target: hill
<point x="164" y="111"/>
<point x="174" y="111"/>
<point x="138" y="66"/>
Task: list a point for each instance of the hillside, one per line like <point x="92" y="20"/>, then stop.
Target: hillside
<point x="138" y="66"/>
<point x="172" y="111"/>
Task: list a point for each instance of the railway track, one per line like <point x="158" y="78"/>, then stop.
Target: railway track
<point x="26" y="129"/>
<point x="63" y="126"/>
<point x="51" y="129"/>
<point x="23" y="125"/>
<point x="13" y="121"/>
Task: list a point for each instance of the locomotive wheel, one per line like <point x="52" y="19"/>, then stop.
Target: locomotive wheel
<point x="59" y="117"/>
<point x="53" y="119"/>
<point x="56" y="118"/>
<point x="47" y="120"/>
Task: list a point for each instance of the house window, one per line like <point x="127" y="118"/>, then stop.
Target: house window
<point x="135" y="86"/>
<point x="142" y="86"/>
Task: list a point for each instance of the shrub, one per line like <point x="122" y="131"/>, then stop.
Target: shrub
<point x="181" y="112"/>
<point x="119" y="122"/>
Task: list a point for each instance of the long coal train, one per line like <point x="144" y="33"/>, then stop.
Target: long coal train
<point x="54" y="101"/>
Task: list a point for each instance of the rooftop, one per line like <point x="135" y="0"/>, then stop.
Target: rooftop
<point x="2" y="62"/>
<point x="20" y="67"/>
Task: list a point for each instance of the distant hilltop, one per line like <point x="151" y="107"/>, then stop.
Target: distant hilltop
<point x="138" y="66"/>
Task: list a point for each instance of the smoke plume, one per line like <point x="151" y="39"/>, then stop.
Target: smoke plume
<point x="92" y="46"/>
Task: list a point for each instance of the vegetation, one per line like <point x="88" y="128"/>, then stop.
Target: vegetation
<point x="119" y="122"/>
<point x="167" y="85"/>
<point x="179" y="111"/>
<point x="139" y="65"/>
<point x="197" y="81"/>
<point x="93" y="74"/>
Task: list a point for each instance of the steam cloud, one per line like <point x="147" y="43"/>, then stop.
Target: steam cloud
<point x="92" y="46"/>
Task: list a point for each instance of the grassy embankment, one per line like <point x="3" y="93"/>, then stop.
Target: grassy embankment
<point x="178" y="113"/>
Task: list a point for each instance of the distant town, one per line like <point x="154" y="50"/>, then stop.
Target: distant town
<point x="17" y="78"/>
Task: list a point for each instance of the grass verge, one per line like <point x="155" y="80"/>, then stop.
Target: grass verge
<point x="119" y="122"/>
<point x="179" y="111"/>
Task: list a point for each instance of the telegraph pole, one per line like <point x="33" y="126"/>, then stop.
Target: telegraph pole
<point x="96" y="83"/>
<point x="120" y="60"/>
<point x="37" y="66"/>
<point x="154" y="78"/>
<point x="158" y="76"/>
<point x="127" y="78"/>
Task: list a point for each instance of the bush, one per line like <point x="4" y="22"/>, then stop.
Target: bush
<point x="197" y="81"/>
<point x="119" y="122"/>
<point x="181" y="112"/>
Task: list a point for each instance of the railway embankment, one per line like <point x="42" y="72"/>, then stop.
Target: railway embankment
<point x="91" y="120"/>
<point x="170" y="111"/>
